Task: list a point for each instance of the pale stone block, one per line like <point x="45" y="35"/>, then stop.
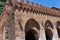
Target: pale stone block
<point x="55" y="35"/>
<point x="18" y="38"/>
<point x="42" y="35"/>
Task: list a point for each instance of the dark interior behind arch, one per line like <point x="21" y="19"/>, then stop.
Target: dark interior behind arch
<point x="29" y="33"/>
<point x="49" y="34"/>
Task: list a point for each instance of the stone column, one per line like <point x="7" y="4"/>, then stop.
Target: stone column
<point x="42" y="33"/>
<point x="55" y="35"/>
<point x="23" y="35"/>
<point x="18" y="35"/>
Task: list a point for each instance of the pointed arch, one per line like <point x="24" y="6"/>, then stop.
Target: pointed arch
<point x="32" y="23"/>
<point x="48" y="31"/>
<point x="48" y="23"/>
<point x="30" y="33"/>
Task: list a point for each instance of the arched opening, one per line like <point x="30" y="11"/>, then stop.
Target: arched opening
<point x="49" y="34"/>
<point x="58" y="28"/>
<point x="48" y="30"/>
<point x="48" y="24"/>
<point x="31" y="34"/>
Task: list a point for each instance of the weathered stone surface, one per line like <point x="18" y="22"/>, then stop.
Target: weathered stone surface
<point x="16" y="23"/>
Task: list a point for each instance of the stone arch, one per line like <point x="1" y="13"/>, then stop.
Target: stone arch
<point x="36" y="29"/>
<point x="58" y="28"/>
<point x="31" y="23"/>
<point x="48" y="30"/>
<point x="29" y="29"/>
<point x="48" y="23"/>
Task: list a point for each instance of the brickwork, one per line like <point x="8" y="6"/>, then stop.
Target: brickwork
<point x="19" y="20"/>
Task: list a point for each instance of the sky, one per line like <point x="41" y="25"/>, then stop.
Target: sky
<point x="47" y="3"/>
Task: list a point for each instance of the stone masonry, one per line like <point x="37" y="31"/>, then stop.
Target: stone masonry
<point x="24" y="21"/>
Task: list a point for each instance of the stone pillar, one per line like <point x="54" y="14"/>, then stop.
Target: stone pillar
<point x="55" y="34"/>
<point x="23" y="35"/>
<point x="17" y="31"/>
<point x="18" y="35"/>
<point x="42" y="33"/>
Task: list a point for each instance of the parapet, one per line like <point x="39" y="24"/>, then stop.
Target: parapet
<point x="35" y="8"/>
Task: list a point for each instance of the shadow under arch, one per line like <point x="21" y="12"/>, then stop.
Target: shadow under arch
<point x="49" y="34"/>
<point x="58" y="28"/>
<point x="28" y="29"/>
<point x="48" y="31"/>
<point x="32" y="35"/>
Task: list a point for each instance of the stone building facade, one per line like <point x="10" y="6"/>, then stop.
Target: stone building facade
<point x="21" y="21"/>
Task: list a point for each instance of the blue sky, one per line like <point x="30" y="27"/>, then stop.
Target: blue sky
<point x="47" y="3"/>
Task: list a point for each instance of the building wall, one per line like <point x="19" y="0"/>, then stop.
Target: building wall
<point x="19" y="22"/>
<point x="40" y="18"/>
